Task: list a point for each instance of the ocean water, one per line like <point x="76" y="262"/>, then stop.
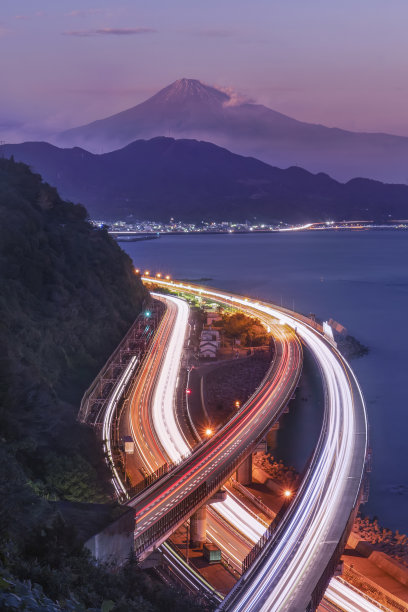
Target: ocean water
<point x="359" y="279"/>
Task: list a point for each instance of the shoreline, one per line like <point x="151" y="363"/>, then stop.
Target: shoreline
<point x="136" y="236"/>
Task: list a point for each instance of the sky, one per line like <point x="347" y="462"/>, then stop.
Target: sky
<point x="66" y="63"/>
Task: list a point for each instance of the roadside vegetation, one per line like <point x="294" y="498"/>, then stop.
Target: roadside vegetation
<point x="248" y="330"/>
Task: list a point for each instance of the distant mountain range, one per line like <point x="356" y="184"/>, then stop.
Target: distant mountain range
<point x="193" y="181"/>
<point x="190" y="109"/>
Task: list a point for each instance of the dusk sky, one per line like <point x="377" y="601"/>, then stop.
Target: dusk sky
<point x="338" y="63"/>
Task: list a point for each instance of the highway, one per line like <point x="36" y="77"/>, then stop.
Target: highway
<point x="210" y="465"/>
<point x="230" y="524"/>
<point x="286" y="578"/>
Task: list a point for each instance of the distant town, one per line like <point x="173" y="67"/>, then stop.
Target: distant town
<point x="134" y="230"/>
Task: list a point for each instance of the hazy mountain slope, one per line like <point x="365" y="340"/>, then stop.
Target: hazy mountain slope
<point x="190" y="180"/>
<point x="190" y="109"/>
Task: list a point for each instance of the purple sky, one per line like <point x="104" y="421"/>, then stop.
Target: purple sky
<point x="66" y="63"/>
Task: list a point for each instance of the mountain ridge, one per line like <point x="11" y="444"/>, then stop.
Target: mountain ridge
<point x="193" y="180"/>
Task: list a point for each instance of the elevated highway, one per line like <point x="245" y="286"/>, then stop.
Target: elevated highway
<point x="299" y="558"/>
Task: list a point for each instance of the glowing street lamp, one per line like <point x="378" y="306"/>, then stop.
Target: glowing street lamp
<point x="147" y="272"/>
<point x="287" y="493"/>
<point x="208" y="431"/>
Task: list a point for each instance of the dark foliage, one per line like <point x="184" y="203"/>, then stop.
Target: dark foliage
<point x="67" y="296"/>
<point x="248" y="330"/>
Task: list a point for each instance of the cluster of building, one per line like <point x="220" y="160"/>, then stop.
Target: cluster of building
<point x="229" y="227"/>
<point x="181" y="227"/>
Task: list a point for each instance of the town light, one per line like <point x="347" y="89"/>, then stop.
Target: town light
<point x="167" y="277"/>
<point x="188" y="391"/>
<point x="147" y="273"/>
<point x="158" y="275"/>
<point x="288" y="493"/>
<point x="208" y="432"/>
<point x="147" y="313"/>
<point x="137" y="271"/>
<point x="237" y="404"/>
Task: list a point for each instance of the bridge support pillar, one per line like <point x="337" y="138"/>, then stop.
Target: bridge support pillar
<point x="198" y="520"/>
<point x="198" y="527"/>
<point x="244" y="471"/>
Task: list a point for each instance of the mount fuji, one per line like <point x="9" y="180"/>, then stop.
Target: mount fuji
<point x="190" y="109"/>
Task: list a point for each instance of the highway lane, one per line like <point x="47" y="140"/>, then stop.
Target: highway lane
<point x="330" y="491"/>
<point x="136" y="421"/>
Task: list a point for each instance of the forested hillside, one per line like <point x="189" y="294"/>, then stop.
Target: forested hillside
<point x="67" y="296"/>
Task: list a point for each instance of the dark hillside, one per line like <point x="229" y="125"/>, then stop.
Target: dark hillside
<point x="67" y="296"/>
<point x="193" y="181"/>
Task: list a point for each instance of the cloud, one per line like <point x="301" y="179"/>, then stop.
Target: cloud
<point x="235" y="98"/>
<point x="85" y="12"/>
<point x="111" y="32"/>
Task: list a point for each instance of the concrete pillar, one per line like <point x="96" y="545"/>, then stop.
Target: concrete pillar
<point x="198" y="527"/>
<point x="271" y="436"/>
<point x="244" y="471"/>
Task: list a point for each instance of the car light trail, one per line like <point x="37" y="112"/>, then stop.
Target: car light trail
<point x="163" y="416"/>
<point x="107" y="422"/>
<point x="327" y="490"/>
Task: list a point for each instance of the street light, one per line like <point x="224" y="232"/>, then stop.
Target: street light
<point x="208" y="431"/>
<point x="287" y="493"/>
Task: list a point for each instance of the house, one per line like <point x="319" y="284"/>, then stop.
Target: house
<point x="209" y="343"/>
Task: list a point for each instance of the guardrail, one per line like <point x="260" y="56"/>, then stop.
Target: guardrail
<point x="366" y="587"/>
<point x="135" y="342"/>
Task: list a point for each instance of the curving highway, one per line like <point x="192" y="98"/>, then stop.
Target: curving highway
<point x="286" y="578"/>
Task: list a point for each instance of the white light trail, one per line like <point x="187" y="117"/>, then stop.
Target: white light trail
<point x="107" y="422"/>
<point x="163" y="416"/>
<point x="322" y="494"/>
